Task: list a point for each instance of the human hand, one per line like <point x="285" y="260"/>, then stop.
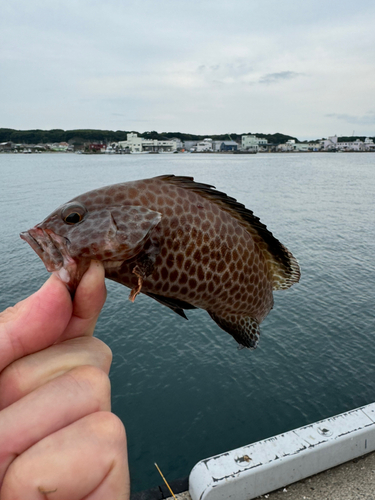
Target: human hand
<point x="58" y="439"/>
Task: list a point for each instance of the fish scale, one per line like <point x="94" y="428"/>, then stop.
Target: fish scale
<point x="180" y="242"/>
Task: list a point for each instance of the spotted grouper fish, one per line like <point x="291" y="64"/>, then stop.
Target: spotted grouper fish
<point x="180" y="242"/>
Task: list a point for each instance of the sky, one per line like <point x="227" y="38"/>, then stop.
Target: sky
<point x="301" y="68"/>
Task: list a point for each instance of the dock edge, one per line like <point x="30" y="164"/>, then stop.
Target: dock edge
<point x="259" y="468"/>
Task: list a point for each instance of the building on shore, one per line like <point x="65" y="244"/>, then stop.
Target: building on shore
<point x="228" y="146"/>
<point x="330" y="143"/>
<point x="249" y="144"/>
<point x="210" y="146"/>
<point x="205" y="146"/>
<point x="357" y="145"/>
<point x="333" y="143"/>
<point x="252" y="143"/>
<point x="292" y="145"/>
<point x="137" y="144"/>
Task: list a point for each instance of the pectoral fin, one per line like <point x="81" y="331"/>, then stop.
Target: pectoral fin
<point x="175" y="305"/>
<point x="244" y="330"/>
<point x="143" y="267"/>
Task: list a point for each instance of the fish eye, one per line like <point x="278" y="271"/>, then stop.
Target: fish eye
<point x="73" y="218"/>
<point x="73" y="213"/>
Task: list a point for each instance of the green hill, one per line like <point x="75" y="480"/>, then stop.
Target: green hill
<point x="80" y="136"/>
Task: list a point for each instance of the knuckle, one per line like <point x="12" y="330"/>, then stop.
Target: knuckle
<point x="105" y="351"/>
<point x="95" y="381"/>
<point x="11" y="386"/>
<point x="109" y="426"/>
<point x="16" y="480"/>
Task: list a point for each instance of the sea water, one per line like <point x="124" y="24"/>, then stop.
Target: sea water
<point x="182" y="388"/>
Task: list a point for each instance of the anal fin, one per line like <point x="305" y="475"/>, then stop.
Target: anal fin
<point x="244" y="330"/>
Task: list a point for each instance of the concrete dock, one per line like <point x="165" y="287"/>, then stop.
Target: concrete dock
<point x="354" y="480"/>
<point x="333" y="459"/>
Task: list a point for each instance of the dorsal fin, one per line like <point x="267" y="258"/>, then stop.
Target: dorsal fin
<point x="284" y="266"/>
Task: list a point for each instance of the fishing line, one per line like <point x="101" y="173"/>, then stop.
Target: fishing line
<point x="160" y="472"/>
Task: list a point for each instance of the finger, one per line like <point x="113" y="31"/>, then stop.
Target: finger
<point x="86" y="460"/>
<point x="30" y="372"/>
<point x="88" y="302"/>
<point x="63" y="400"/>
<point x="34" y="323"/>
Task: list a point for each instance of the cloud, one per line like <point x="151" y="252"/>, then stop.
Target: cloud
<point x="233" y="72"/>
<point x="366" y="119"/>
<point x="189" y="65"/>
<point x="278" y="77"/>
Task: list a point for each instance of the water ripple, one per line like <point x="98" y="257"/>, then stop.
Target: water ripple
<point x="182" y="388"/>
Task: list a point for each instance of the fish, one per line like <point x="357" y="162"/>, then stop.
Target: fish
<point x="181" y="242"/>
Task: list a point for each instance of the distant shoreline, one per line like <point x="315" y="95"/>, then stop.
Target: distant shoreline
<point x="234" y="153"/>
<point x="92" y="141"/>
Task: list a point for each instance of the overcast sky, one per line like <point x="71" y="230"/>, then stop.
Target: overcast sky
<point x="304" y="68"/>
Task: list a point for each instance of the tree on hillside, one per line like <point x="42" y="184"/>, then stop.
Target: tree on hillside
<point x="107" y="136"/>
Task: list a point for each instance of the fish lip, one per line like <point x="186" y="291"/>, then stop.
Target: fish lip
<point x="44" y="245"/>
<point x="26" y="236"/>
<point x="53" y="250"/>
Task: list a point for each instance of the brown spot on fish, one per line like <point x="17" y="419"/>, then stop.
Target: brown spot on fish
<point x="180" y="242"/>
<point x="183" y="279"/>
<point x="170" y="260"/>
<point x="197" y="255"/>
<point x="173" y="275"/>
<point x="164" y="273"/>
<point x="180" y="260"/>
<point x="213" y="265"/>
<point x="192" y="283"/>
<point x="200" y="273"/>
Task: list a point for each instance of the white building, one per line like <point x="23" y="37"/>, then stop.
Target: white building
<point x="190" y="145"/>
<point x="178" y="142"/>
<point x="133" y="143"/>
<point x="216" y="145"/>
<point x="140" y="145"/>
<point x="252" y="143"/>
<point x="357" y="145"/>
<point x="292" y="145"/>
<point x="204" y="146"/>
<point x="369" y="144"/>
<point x="330" y="143"/>
<point x="288" y="146"/>
<point x="314" y="146"/>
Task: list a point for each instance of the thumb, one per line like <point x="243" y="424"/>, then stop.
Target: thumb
<point x="34" y="323"/>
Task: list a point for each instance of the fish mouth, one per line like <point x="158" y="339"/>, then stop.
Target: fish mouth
<point x="46" y="247"/>
<point x="53" y="249"/>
